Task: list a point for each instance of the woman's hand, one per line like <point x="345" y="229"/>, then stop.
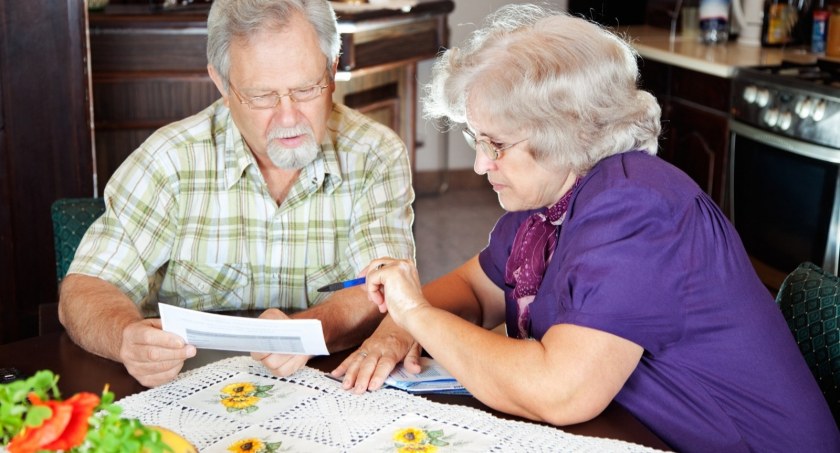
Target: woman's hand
<point x="376" y="358"/>
<point x="394" y="286"/>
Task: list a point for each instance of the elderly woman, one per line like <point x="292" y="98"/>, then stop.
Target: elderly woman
<point x="616" y="276"/>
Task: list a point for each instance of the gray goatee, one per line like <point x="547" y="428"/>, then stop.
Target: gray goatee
<point x="292" y="158"/>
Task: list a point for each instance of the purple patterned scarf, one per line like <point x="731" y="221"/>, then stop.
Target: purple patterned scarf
<point x="532" y="249"/>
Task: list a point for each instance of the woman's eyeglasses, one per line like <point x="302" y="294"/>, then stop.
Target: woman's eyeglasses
<point x="492" y="150"/>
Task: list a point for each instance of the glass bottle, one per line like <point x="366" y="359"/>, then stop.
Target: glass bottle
<point x="714" y="21"/>
<point x="832" y="41"/>
<point x="819" y="25"/>
<point x="779" y="19"/>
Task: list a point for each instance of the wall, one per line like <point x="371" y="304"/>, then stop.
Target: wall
<point x="431" y="156"/>
<point x="45" y="147"/>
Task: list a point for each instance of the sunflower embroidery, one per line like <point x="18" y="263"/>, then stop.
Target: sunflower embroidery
<point x="243" y="396"/>
<point x="254" y="445"/>
<point x="239" y="389"/>
<point x="418" y="440"/>
<point x="417" y="449"/>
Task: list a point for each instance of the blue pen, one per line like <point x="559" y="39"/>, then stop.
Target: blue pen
<point x="342" y="285"/>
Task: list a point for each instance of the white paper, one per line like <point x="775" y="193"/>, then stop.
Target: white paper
<point x="234" y="333"/>
<point x="433" y="378"/>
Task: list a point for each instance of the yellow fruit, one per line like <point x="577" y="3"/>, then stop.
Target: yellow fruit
<point x="175" y="441"/>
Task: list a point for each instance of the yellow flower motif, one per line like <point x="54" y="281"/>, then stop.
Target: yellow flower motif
<point x="247" y="445"/>
<point x="239" y="389"/>
<point x="240" y="402"/>
<point x="428" y="448"/>
<point x="410" y="436"/>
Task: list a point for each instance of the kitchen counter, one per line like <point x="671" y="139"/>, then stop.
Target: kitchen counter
<point x="718" y="60"/>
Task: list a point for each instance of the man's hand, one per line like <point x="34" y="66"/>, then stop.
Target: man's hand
<point x="152" y="356"/>
<point x="368" y="367"/>
<point x="281" y="365"/>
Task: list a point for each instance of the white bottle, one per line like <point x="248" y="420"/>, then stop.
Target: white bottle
<point x="714" y="21"/>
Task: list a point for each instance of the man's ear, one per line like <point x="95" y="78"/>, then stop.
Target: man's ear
<point x="217" y="80"/>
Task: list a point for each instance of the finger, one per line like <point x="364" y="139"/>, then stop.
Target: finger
<point x="274" y="361"/>
<point x="291" y="366"/>
<point x="273" y="313"/>
<point x="384" y="366"/>
<point x="376" y="264"/>
<point x="412" y="360"/>
<point x="154" y="374"/>
<point x="353" y="366"/>
<point x="148" y="333"/>
<point x="346" y="369"/>
<point x="374" y="288"/>
<point x="372" y="371"/>
<point x="284" y="364"/>
<point x="341" y="369"/>
<point x="156" y="350"/>
<point x="260" y="356"/>
<point x="366" y="369"/>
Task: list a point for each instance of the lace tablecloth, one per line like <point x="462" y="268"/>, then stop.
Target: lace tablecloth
<point x="236" y="405"/>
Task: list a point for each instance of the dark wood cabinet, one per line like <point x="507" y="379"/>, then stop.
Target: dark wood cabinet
<point x="45" y="147"/>
<point x="148" y="69"/>
<point x="697" y="140"/>
<point x="695" y="123"/>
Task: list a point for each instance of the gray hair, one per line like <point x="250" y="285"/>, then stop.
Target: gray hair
<point x="230" y="19"/>
<point x="570" y="83"/>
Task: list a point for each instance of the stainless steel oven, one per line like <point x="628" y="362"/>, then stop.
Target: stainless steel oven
<point x="784" y="167"/>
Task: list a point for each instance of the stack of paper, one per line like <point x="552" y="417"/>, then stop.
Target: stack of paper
<point x="433" y="378"/>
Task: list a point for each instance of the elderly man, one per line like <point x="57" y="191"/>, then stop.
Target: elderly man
<point x="253" y="203"/>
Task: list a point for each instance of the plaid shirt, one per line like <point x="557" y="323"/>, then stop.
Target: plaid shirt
<point x="190" y="220"/>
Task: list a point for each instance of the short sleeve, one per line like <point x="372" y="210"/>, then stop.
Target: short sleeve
<point x="621" y="266"/>
<point x="132" y="239"/>
<point x="382" y="210"/>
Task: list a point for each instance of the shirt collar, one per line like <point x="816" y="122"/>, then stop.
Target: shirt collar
<point x="324" y="171"/>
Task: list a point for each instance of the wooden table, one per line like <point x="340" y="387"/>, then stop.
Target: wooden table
<point x="82" y="371"/>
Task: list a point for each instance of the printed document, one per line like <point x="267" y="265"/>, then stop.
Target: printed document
<point x="234" y="333"/>
<point x="433" y="378"/>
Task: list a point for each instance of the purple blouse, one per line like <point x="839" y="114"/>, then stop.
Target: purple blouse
<point x="644" y="254"/>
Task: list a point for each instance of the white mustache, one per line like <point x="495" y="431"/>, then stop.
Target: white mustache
<point x="280" y="132"/>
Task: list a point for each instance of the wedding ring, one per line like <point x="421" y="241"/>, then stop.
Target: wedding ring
<point x="363" y="354"/>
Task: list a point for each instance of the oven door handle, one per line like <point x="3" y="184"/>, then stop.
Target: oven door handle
<point x="818" y="152"/>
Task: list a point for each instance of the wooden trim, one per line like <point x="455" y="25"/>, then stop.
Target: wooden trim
<point x="432" y="182"/>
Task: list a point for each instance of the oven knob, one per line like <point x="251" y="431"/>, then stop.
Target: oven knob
<point x="819" y="110"/>
<point x="771" y="117"/>
<point x="750" y="93"/>
<point x="762" y="98"/>
<point x="804" y="107"/>
<point x="785" y="120"/>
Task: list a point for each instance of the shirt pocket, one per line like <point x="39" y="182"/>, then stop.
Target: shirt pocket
<point x="322" y="276"/>
<point x="206" y="286"/>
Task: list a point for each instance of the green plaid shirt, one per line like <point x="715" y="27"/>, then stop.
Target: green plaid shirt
<point x="190" y="220"/>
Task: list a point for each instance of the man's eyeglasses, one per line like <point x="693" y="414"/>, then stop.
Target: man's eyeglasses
<point x="271" y="100"/>
<point x="493" y="151"/>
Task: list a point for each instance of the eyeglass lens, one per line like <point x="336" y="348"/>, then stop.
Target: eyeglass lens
<point x="488" y="149"/>
<point x="271" y="100"/>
